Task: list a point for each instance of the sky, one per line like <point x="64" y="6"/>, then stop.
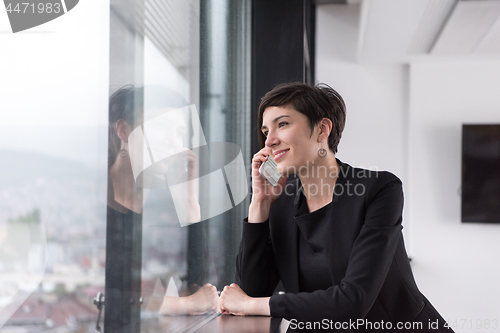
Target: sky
<point x="54" y="84"/>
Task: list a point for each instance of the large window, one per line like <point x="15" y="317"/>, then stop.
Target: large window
<point x="53" y="150"/>
<point x="95" y="203"/>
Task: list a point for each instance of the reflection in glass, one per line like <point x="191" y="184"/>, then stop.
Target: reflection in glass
<point x="57" y="187"/>
<point x="166" y="132"/>
<point x="182" y="191"/>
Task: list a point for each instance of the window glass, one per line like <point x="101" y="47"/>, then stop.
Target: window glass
<point x="131" y="180"/>
<point x="53" y="153"/>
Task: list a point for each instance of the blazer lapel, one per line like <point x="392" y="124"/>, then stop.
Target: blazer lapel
<point x="293" y="267"/>
<point x="285" y="235"/>
<point x="294" y="258"/>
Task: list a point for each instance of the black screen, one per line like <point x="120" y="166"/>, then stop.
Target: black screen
<point x="481" y="173"/>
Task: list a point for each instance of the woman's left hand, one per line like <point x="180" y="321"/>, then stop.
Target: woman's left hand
<point x="233" y="300"/>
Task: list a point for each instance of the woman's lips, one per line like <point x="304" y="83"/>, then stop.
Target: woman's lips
<point x="280" y="154"/>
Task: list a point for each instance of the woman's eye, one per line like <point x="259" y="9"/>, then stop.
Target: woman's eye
<point x="265" y="133"/>
<point x="283" y="123"/>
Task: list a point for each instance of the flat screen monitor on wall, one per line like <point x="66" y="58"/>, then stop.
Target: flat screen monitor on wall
<point x="481" y="173"/>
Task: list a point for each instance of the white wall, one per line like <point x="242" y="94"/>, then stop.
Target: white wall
<point x="456" y="264"/>
<point x="375" y="95"/>
<point x="407" y="119"/>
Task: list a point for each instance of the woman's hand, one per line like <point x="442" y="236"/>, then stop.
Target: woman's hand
<point x="263" y="193"/>
<point x="193" y="206"/>
<point x="181" y="167"/>
<point x="202" y="301"/>
<point x="186" y="181"/>
<point x="235" y="301"/>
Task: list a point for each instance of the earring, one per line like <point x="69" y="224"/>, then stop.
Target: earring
<point x="322" y="151"/>
<point x="123" y="153"/>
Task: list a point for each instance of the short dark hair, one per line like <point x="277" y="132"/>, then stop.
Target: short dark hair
<point x="122" y="105"/>
<point x="318" y="102"/>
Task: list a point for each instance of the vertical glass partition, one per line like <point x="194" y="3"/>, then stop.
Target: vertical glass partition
<point x="177" y="159"/>
<point x="225" y="99"/>
<point x="123" y="179"/>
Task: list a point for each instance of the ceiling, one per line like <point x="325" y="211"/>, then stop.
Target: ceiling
<point x="401" y="30"/>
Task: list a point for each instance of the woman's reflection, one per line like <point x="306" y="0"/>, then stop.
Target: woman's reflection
<point x="123" y="193"/>
<point x="126" y="204"/>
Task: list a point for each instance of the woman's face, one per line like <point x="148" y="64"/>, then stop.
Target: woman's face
<point x="288" y="135"/>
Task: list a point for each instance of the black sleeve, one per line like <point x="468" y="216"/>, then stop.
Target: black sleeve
<point x="256" y="271"/>
<point x="370" y="259"/>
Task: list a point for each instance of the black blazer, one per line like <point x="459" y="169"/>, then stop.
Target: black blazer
<point x="369" y="268"/>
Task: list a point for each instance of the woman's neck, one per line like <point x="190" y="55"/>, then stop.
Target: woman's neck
<point x="125" y="190"/>
<point x="319" y="181"/>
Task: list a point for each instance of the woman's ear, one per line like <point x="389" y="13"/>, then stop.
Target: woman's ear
<point x="325" y="127"/>
<point x="123" y="130"/>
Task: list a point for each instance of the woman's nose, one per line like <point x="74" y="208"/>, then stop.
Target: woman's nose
<point x="271" y="139"/>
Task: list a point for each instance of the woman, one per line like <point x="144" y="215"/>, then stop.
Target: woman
<point x="331" y="233"/>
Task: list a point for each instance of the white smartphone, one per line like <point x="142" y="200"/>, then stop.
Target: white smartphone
<point x="269" y="170"/>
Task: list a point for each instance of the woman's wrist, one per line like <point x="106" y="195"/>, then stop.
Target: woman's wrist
<point x="259" y="306"/>
<point x="258" y="212"/>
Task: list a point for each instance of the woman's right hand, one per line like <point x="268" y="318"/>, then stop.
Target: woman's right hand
<point x="263" y="193"/>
